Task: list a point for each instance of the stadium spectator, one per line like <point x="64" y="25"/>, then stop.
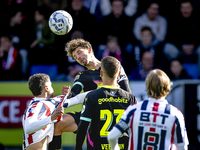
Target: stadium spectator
<point x="154" y="20"/>
<point x="188" y="52"/>
<point x="189" y="57"/>
<point x="130" y="8"/>
<point x="111" y="48"/>
<point x="42" y="49"/>
<point x="146" y="64"/>
<point x="142" y="117"/>
<point x="20" y="29"/>
<point x="117" y="23"/>
<point x="53" y="4"/>
<point x="10" y="60"/>
<point x="186" y="24"/>
<point x="177" y="71"/>
<point x="148" y="42"/>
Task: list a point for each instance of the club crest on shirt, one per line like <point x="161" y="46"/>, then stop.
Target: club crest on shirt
<point x="112" y="93"/>
<point x="77" y="77"/>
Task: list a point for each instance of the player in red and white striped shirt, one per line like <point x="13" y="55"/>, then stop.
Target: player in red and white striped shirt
<point x="153" y="124"/>
<point x="38" y="119"/>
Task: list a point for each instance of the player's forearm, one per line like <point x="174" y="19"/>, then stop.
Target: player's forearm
<point x="35" y="125"/>
<point x="78" y="99"/>
<point x="76" y="89"/>
<point x="113" y="138"/>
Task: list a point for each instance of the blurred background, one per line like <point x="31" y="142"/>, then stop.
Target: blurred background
<point x="141" y="34"/>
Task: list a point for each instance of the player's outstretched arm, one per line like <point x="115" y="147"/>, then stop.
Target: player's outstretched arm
<point x="78" y="99"/>
<point x="76" y="89"/>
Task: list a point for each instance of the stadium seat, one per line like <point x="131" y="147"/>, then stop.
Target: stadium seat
<point x="51" y="70"/>
<point x="192" y="70"/>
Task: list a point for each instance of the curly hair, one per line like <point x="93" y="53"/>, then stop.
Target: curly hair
<point x="37" y="82"/>
<point x="74" y="44"/>
<point x="158" y="84"/>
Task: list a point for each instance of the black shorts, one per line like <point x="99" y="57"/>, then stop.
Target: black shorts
<point x="76" y="116"/>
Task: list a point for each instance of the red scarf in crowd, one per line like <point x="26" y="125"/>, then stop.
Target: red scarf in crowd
<point x="9" y="62"/>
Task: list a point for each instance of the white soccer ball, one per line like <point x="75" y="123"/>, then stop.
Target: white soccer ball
<point x="60" y="22"/>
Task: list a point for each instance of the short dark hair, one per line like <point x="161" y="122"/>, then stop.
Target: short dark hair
<point x="37" y="82"/>
<point x="110" y="65"/>
<point x="6" y="35"/>
<point x="144" y="28"/>
<point x="187" y="1"/>
<point x="152" y="2"/>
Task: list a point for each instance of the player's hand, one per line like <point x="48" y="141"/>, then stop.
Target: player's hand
<point x="58" y="111"/>
<point x="65" y="90"/>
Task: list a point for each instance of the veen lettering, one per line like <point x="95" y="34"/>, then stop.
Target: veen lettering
<point x="107" y="146"/>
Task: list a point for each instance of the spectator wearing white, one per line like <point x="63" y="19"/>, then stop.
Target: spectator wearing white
<point x="154" y="20"/>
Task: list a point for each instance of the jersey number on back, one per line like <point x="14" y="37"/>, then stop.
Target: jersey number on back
<point x="107" y="115"/>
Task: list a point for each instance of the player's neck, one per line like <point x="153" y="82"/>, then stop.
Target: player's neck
<point x="44" y="95"/>
<point x="94" y="64"/>
<point x="109" y="82"/>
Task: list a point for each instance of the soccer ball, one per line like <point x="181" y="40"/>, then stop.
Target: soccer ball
<point x="60" y="22"/>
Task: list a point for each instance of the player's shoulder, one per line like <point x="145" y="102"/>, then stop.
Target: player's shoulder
<point x="95" y="92"/>
<point x="83" y="74"/>
<point x="175" y="111"/>
<point x="79" y="75"/>
<point x="126" y="93"/>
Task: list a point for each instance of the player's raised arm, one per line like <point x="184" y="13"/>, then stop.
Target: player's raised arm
<point x="123" y="80"/>
<point x="76" y="89"/>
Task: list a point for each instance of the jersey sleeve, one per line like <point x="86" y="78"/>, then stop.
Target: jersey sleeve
<point x="78" y="99"/>
<point x="32" y="122"/>
<point x="78" y="85"/>
<point x="180" y="135"/>
<point x="125" y="121"/>
<point x="123" y="80"/>
<point x="133" y="99"/>
<point x="87" y="110"/>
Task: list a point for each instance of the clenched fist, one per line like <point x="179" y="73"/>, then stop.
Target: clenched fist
<point x="58" y="111"/>
<point x="65" y="90"/>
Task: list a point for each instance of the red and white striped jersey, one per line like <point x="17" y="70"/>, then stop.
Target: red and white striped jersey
<point x="154" y="125"/>
<point x="37" y="122"/>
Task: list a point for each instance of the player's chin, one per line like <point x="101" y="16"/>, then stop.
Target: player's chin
<point x="83" y="63"/>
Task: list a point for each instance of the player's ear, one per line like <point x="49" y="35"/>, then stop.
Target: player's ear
<point x="46" y="88"/>
<point x="101" y="73"/>
<point x="90" y="50"/>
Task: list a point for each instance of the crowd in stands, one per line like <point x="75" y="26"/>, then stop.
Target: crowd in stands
<point x="141" y="34"/>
